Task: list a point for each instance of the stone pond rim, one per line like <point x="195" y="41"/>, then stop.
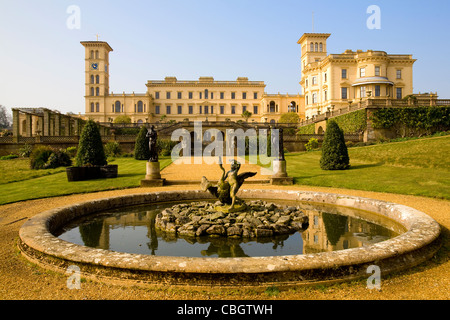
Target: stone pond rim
<point x="418" y="244"/>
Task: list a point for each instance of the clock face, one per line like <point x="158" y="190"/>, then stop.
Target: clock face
<point x="94" y="66"/>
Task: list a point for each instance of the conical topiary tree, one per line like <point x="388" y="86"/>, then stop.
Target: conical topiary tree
<point x="141" y="148"/>
<point x="90" y="148"/>
<point x="334" y="150"/>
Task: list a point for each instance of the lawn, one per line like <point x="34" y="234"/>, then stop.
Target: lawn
<point x="18" y="182"/>
<point x="416" y="167"/>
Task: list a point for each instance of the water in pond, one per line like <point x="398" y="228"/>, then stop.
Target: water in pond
<point x="132" y="230"/>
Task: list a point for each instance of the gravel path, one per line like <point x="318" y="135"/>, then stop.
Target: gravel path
<point x="20" y="279"/>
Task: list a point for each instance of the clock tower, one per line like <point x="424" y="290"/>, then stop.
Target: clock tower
<point x="96" y="76"/>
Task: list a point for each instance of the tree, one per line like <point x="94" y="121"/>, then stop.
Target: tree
<point x="141" y="148"/>
<point x="122" y="119"/>
<point x="246" y="115"/>
<point x="90" y="148"/>
<point x="334" y="151"/>
<point x="290" y="117"/>
<point x="5" y="118"/>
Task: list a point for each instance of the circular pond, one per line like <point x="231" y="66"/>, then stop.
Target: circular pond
<point x="407" y="238"/>
<point x="133" y="230"/>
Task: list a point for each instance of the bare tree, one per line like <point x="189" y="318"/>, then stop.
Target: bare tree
<point x="5" y="118"/>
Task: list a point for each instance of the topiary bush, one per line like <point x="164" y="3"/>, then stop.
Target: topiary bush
<point x="334" y="151"/>
<point x="141" y="148"/>
<point x="90" y="148"/>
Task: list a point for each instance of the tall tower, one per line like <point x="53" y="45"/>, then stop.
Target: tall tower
<point x="96" y="76"/>
<point x="314" y="47"/>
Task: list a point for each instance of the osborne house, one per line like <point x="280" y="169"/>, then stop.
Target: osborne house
<point x="329" y="82"/>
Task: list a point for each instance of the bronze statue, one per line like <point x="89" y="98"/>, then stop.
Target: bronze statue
<point x="152" y="144"/>
<point x="226" y="190"/>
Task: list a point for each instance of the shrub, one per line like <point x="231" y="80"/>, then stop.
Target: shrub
<point x="141" y="149"/>
<point x="312" y="144"/>
<point x="165" y="146"/>
<point x="334" y="150"/>
<point x="112" y="149"/>
<point x="25" y="151"/>
<point x="71" y="151"/>
<point x="58" y="158"/>
<point x="39" y="157"/>
<point x="9" y="157"/>
<point x="90" y="148"/>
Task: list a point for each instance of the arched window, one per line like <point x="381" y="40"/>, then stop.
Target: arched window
<point x="92" y="79"/>
<point x="97" y="91"/>
<point x="272" y="106"/>
<point x="97" y="79"/>
<point x="92" y="91"/>
<point x="92" y="54"/>
<point x="312" y="47"/>
<point x="317" y="47"/>
<point x="206" y="94"/>
<point x="140" y="106"/>
<point x="96" y="54"/>
<point x="117" y="106"/>
<point x="321" y="47"/>
<point x="97" y="107"/>
<point x="140" y="121"/>
<point x="92" y="107"/>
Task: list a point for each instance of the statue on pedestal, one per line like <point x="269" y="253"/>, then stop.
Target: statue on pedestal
<point x="152" y="136"/>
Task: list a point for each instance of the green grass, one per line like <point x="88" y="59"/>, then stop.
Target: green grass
<point x="416" y="167"/>
<point x="34" y="184"/>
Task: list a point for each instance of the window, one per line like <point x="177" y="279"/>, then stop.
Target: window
<point x="190" y="95"/>
<point x="233" y="109"/>
<point x="255" y="109"/>
<point x="344" y="74"/>
<point x="97" y="79"/>
<point x="399" y="93"/>
<point x="97" y="107"/>
<point x="92" y="54"/>
<point x="222" y="109"/>
<point x="255" y="95"/>
<point x="312" y="47"/>
<point x="399" y="74"/>
<point x="179" y="95"/>
<point x="92" y="107"/>
<point x="180" y="109"/>
<point x="117" y="105"/>
<point x="314" y="98"/>
<point x="244" y="108"/>
<point x="212" y="109"/>
<point x="92" y="91"/>
<point x="307" y="100"/>
<point x="97" y="91"/>
<point x="92" y="79"/>
<point x="377" y="91"/>
<point x="206" y="94"/>
<point x="325" y="95"/>
<point x="191" y="109"/>
<point x="314" y="80"/>
<point x="344" y="93"/>
<point x="157" y="111"/>
<point x="306" y="83"/>
<point x="321" y="47"/>
<point x="140" y="106"/>
<point x="325" y="77"/>
<point x="244" y="95"/>
<point x="222" y="94"/>
<point x="377" y="71"/>
<point x="212" y="95"/>
<point x="168" y="95"/>
<point x="200" y="109"/>
<point x="96" y="54"/>
<point x="363" y="92"/>
<point x="317" y="47"/>
<point x="206" y="108"/>
<point x="362" y="72"/>
<point x="233" y="95"/>
<point x="156" y="95"/>
<point x="200" y="95"/>
<point x="168" y="109"/>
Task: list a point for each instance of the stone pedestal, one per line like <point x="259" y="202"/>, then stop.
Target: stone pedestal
<point x="280" y="177"/>
<point x="153" y="176"/>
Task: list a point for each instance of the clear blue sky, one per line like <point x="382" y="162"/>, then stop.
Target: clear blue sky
<point x="42" y="60"/>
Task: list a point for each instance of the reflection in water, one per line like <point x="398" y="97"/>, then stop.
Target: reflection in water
<point x="133" y="230"/>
